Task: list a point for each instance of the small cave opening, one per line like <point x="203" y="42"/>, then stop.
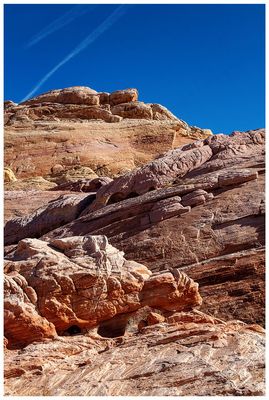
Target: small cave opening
<point x="116" y="197"/>
<point x="115" y="327"/>
<point x="72" y="330"/>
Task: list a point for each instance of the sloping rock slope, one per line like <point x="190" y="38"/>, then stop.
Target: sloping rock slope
<point x="80" y="319"/>
<point x="69" y="128"/>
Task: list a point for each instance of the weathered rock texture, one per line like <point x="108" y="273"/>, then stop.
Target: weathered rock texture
<point x="191" y="210"/>
<point x="81" y="281"/>
<point x="85" y="103"/>
<point x="59" y="212"/>
<point x="63" y="129"/>
<point x="116" y="328"/>
<point x="177" y="358"/>
<point x="19" y="203"/>
<point x="9" y="175"/>
<point x="83" y="319"/>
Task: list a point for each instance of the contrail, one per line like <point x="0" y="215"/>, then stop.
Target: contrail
<point x="106" y="24"/>
<point x="58" y="23"/>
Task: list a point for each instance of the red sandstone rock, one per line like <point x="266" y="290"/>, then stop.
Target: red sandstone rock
<point x="23" y="323"/>
<point x="228" y="222"/>
<point x="197" y="210"/>
<point x="81" y="281"/>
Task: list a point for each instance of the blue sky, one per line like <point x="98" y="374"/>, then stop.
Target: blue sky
<point x="203" y="62"/>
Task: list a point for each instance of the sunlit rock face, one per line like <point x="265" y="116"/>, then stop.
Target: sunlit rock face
<point x="146" y="275"/>
<point x="81" y="281"/>
<point x="77" y="127"/>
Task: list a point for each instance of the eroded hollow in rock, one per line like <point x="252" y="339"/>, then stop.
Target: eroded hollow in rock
<point x="115" y="327"/>
<point x="72" y="330"/>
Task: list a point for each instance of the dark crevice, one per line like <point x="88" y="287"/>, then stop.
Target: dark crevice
<point x="116" y="197"/>
<point x="72" y="330"/>
<point x="115" y="327"/>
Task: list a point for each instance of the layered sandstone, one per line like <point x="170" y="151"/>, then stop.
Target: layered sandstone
<point x="68" y="128"/>
<point x="151" y="283"/>
<point x="188" y="356"/>
<point x="189" y="210"/>
<point x="116" y="328"/>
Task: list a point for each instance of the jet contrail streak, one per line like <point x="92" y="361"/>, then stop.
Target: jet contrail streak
<point x="58" y="23"/>
<point x="110" y="20"/>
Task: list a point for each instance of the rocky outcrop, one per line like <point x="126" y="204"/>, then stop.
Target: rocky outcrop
<point x="79" y="298"/>
<point x="77" y="282"/>
<point x="200" y="219"/>
<point x="57" y="213"/>
<point x="85" y="103"/>
<point x="17" y="204"/>
<point x="68" y="128"/>
<point x="198" y="158"/>
<point x="189" y="212"/>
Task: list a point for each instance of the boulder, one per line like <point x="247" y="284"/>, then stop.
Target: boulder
<point x="133" y="110"/>
<point x="123" y="96"/>
<point x="71" y="95"/>
<point x="9" y="175"/>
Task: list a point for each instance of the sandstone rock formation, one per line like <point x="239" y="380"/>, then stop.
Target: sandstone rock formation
<point x="66" y="128"/>
<point x="209" y="222"/>
<point x="114" y="315"/>
<point x="59" y="212"/>
<point x="18" y="203"/>
<point x="85" y="103"/>
<point x="102" y="275"/>
<point x="79" y="282"/>
<point x="168" y="359"/>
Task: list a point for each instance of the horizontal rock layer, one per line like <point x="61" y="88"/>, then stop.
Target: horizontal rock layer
<point x="67" y="128"/>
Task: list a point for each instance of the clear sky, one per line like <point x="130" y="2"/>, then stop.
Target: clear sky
<point x="203" y="62"/>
